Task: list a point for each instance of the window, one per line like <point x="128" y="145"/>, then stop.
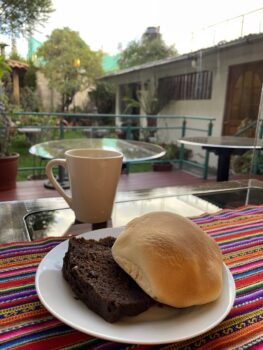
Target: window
<point x="192" y="86"/>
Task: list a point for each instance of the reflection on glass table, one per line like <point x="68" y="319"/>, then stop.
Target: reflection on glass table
<point x="234" y="199"/>
<point x="61" y="220"/>
<point x="49" y="222"/>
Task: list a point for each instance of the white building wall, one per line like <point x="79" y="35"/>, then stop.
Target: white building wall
<point x="216" y="59"/>
<point x="219" y="63"/>
<point x="50" y="99"/>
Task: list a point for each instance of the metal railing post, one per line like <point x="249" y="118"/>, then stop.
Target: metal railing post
<point x="61" y="128"/>
<point x="209" y="133"/>
<point x="210" y="128"/>
<point x="261" y="129"/>
<point x="61" y="170"/>
<point x="181" y="154"/>
<point x="184" y="127"/>
<point x="129" y="131"/>
<point x="256" y="165"/>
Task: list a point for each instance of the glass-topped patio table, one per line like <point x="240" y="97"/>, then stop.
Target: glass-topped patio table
<point x="224" y="147"/>
<point x="133" y="151"/>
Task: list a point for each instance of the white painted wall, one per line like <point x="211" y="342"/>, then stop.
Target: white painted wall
<point x="218" y="61"/>
<point x="50" y="98"/>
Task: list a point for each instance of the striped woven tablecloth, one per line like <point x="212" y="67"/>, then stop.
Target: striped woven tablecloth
<point x="26" y="324"/>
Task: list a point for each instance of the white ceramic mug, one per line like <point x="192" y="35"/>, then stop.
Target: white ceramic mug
<point x="93" y="176"/>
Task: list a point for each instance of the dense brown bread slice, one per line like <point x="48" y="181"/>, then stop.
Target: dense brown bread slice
<point x="100" y="283"/>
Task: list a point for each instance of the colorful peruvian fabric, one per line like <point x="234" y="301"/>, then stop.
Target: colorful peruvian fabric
<point x="26" y="324"/>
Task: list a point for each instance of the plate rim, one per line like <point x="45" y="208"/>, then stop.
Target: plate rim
<point x="122" y="339"/>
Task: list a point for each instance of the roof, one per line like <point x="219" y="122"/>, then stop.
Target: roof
<point x="221" y="46"/>
<point x="17" y="64"/>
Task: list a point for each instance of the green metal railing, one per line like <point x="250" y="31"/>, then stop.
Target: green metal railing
<point x="99" y="125"/>
<point x="189" y="162"/>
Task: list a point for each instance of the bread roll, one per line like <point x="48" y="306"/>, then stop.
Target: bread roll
<point x="171" y="259"/>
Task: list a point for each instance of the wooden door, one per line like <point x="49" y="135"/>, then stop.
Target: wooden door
<point x="243" y="96"/>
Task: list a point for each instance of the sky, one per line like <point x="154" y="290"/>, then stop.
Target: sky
<point x="110" y="25"/>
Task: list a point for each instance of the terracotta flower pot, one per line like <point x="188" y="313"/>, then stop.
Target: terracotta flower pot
<point x="8" y="172"/>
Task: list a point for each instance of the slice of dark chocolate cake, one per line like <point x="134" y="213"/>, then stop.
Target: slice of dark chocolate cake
<point x="99" y="282"/>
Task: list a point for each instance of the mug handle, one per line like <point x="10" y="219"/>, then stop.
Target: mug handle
<point x="49" y="171"/>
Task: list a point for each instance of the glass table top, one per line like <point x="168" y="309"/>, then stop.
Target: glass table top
<point x="234" y="199"/>
<point x="57" y="222"/>
<point x="131" y="150"/>
<point x="43" y="217"/>
<point x="61" y="220"/>
<point x="223" y="141"/>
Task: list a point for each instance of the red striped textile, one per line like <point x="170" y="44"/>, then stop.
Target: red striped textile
<point x="26" y="324"/>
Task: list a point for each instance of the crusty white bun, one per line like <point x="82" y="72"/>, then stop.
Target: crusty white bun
<point x="171" y="259"/>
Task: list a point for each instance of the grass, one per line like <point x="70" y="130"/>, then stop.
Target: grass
<point x="141" y="167"/>
<point x="21" y="145"/>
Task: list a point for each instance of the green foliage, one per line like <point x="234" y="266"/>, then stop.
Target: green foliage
<point x="242" y="163"/>
<point x="147" y="49"/>
<point x="15" y="56"/>
<point x="5" y="121"/>
<point x="7" y="88"/>
<point x="4" y="67"/>
<point x="70" y="65"/>
<point x="30" y="78"/>
<point x="147" y="99"/>
<point x="150" y="48"/>
<point x="103" y="97"/>
<point x="29" y="100"/>
<point x="140" y="167"/>
<point x="6" y="130"/>
<point x="172" y="151"/>
<point x="21" y="17"/>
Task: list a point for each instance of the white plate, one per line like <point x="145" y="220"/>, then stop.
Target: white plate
<point x="154" y="326"/>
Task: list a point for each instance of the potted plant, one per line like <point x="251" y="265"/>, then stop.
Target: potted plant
<point x="170" y="155"/>
<point x="8" y="160"/>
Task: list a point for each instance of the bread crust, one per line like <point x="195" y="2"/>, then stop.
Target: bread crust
<point x="171" y="259"/>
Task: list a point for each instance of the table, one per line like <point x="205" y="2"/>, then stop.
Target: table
<point x="23" y="220"/>
<point x="30" y="132"/>
<point x="224" y="147"/>
<point x="133" y="151"/>
<point x="26" y="324"/>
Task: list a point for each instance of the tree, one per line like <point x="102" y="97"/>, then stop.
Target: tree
<point x="150" y="47"/>
<point x="103" y="97"/>
<point x="69" y="64"/>
<point x="21" y="17"/>
<point x="4" y="67"/>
